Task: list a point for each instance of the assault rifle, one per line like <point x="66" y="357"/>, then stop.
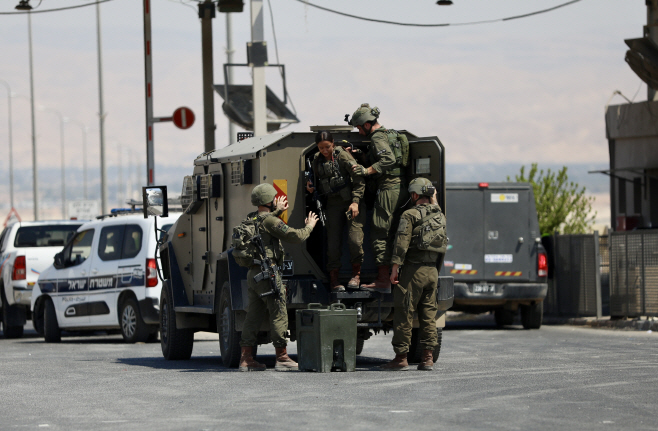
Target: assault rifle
<point x="268" y="269"/>
<point x="316" y="197"/>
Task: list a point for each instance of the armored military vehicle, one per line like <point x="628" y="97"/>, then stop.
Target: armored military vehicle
<point x="206" y="290"/>
<point x="495" y="252"/>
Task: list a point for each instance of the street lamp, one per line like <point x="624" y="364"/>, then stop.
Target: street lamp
<point x="62" y="120"/>
<point x="11" y="154"/>
<point x="84" y="129"/>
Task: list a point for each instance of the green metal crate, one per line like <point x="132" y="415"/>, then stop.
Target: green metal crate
<point x="326" y="338"/>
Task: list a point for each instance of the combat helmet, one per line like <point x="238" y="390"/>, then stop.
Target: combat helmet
<point x="263" y="194"/>
<point x="364" y="114"/>
<point x="422" y="186"/>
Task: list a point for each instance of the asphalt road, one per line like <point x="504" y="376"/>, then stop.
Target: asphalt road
<point x="558" y="377"/>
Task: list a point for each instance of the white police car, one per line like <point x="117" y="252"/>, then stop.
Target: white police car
<point x="104" y="279"/>
<point x="26" y="249"/>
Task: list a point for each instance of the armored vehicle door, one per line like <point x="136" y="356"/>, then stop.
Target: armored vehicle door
<point x="427" y="159"/>
<point x="508" y="245"/>
<point x="466" y="234"/>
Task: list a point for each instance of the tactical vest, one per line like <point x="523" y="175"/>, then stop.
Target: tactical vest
<point x="429" y="233"/>
<point x="399" y="147"/>
<point x="330" y="180"/>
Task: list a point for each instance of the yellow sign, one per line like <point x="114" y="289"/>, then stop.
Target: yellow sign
<point x="281" y="187"/>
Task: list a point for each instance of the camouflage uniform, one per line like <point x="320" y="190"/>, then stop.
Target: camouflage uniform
<point x="391" y="194"/>
<point x="337" y="181"/>
<point x="418" y="280"/>
<point x="273" y="230"/>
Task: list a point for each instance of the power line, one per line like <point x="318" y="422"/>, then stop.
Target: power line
<point x="406" y="24"/>
<point x="55" y="10"/>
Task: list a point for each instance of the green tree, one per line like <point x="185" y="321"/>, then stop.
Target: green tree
<point x="561" y="204"/>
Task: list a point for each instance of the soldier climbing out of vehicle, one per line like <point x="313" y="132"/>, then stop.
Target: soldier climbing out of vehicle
<point x="388" y="156"/>
<point x="419" y="243"/>
<point x="272" y="230"/>
<point x="343" y="190"/>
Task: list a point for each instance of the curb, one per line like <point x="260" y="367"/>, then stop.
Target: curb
<point x="592" y="322"/>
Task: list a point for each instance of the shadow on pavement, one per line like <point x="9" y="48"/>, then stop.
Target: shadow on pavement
<point x="203" y="364"/>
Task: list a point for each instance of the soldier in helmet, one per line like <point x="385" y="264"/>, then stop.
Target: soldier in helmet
<point x="273" y="230"/>
<point x="344" y="190"/>
<point x="387" y="172"/>
<point x="419" y="241"/>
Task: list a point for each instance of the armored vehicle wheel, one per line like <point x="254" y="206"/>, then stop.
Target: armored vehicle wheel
<point x="51" y="331"/>
<point x="416" y="349"/>
<point x="504" y="317"/>
<point x="176" y="343"/>
<point x="229" y="338"/>
<point x="9" y="331"/>
<point x="359" y="345"/>
<point x="531" y="315"/>
<point x="133" y="328"/>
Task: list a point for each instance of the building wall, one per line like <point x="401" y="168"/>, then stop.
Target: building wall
<point x="632" y="132"/>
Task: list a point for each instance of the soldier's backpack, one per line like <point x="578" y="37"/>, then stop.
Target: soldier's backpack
<point x="430" y="232"/>
<point x="244" y="250"/>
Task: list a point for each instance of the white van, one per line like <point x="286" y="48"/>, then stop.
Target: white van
<point x="105" y="278"/>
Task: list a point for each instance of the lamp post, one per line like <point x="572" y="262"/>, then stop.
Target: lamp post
<point x="62" y="120"/>
<point x="84" y="155"/>
<point x="35" y="175"/>
<point x="101" y="112"/>
<point x="11" y="154"/>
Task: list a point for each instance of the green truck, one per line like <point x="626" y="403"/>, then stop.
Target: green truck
<point x="206" y="290"/>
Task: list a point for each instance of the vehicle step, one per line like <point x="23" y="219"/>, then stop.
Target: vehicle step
<point x="194" y="309"/>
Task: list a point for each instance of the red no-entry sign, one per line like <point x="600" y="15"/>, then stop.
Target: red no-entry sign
<point x="183" y="118"/>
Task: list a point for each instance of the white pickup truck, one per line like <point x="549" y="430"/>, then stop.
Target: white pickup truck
<point x="26" y="249"/>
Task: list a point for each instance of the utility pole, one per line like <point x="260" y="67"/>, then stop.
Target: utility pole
<point x="35" y="175"/>
<point x="232" y="138"/>
<point x="257" y="51"/>
<point x="206" y="14"/>
<point x="101" y="113"/>
<point x="11" y="151"/>
<point x="651" y="32"/>
<point x="148" y="78"/>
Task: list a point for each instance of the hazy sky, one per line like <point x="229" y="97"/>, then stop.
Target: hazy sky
<point x="520" y="91"/>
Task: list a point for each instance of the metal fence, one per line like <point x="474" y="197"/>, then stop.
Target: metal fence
<point x="575" y="281"/>
<point x="634" y="273"/>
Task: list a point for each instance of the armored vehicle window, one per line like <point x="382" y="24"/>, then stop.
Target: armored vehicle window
<point x="78" y="250"/>
<point x="44" y="236"/>
<point x="132" y="241"/>
<point x="110" y="243"/>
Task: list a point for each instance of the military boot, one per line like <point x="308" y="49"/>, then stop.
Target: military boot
<point x="283" y="361"/>
<point x="382" y="282"/>
<point x="427" y="361"/>
<point x="356" y="276"/>
<point x="333" y="281"/>
<point x="247" y="361"/>
<point x="398" y="364"/>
